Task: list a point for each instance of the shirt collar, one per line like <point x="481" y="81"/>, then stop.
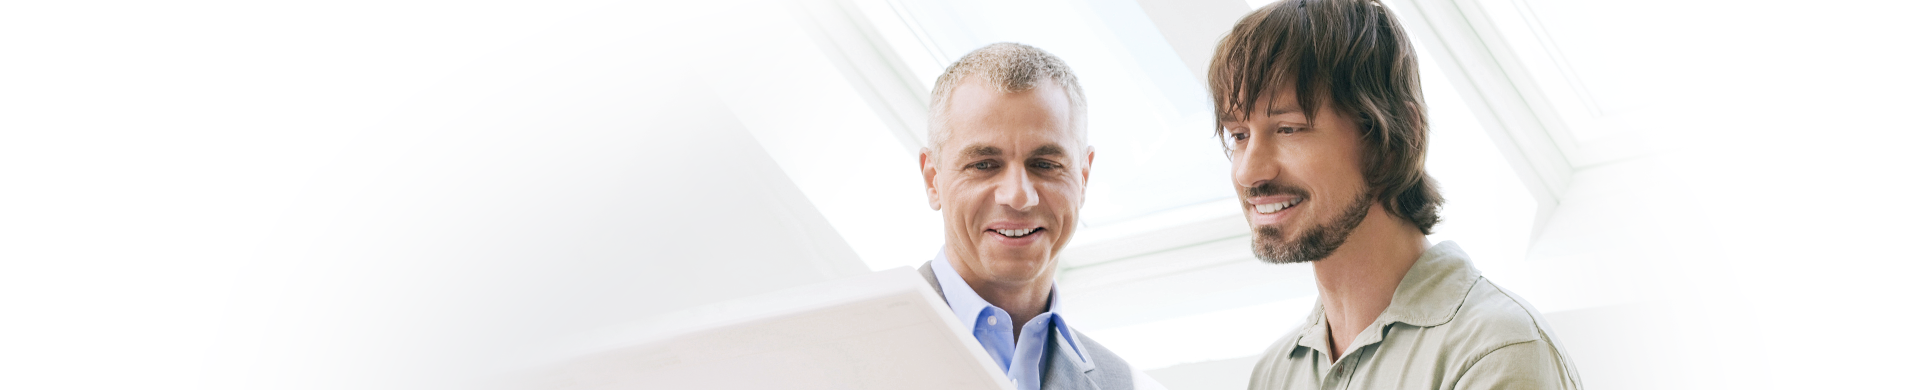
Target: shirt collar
<point x="1314" y="333"/>
<point x="1433" y="289"/>
<point x="1429" y="295"/>
<point x="967" y="304"/>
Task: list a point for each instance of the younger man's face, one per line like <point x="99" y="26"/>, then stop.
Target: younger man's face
<point x="1302" y="185"/>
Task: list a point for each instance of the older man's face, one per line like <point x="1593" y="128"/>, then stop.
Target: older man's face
<point x="1009" y="180"/>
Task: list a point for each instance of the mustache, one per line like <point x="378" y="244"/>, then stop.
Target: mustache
<point x="1271" y="189"/>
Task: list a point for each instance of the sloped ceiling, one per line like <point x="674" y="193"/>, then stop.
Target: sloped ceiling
<point x="507" y="214"/>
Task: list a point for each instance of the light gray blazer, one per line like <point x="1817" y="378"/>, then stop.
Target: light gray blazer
<point x="1103" y="371"/>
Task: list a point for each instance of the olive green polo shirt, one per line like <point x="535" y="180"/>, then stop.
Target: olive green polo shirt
<point x="1447" y="328"/>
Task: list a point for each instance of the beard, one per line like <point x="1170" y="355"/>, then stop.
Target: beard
<point x="1316" y="242"/>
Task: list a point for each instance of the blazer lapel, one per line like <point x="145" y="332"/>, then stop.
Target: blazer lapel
<point x="1066" y="370"/>
<point x="926" y="270"/>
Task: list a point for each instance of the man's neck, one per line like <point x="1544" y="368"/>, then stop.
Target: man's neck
<point x="1357" y="281"/>
<point x="1023" y="299"/>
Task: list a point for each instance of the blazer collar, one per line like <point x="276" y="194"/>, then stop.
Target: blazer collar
<point x="1065" y="370"/>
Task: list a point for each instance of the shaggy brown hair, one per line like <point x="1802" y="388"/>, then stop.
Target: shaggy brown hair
<point x="1354" y="55"/>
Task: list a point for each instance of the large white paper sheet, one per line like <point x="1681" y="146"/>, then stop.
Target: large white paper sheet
<point x="885" y="330"/>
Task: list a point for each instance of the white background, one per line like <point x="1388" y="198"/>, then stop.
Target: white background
<point x="424" y="194"/>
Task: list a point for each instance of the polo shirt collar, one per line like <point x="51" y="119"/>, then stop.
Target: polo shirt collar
<point x="1433" y="289"/>
<point x="1429" y="295"/>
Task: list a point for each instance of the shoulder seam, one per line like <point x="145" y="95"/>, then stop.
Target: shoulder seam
<point x="1560" y="361"/>
<point x="1483" y="355"/>
<point x="1531" y="319"/>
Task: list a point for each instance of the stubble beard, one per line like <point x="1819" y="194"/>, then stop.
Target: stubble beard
<point x="1316" y="243"/>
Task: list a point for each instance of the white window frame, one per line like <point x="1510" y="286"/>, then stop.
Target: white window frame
<point x="1491" y="78"/>
<point x="1457" y="34"/>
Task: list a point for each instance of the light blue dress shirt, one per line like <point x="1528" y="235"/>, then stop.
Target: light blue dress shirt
<point x="1022" y="361"/>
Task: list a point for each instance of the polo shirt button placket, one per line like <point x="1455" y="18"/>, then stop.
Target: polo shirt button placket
<point x="1339" y="376"/>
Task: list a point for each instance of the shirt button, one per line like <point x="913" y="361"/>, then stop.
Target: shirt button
<point x="993" y="320"/>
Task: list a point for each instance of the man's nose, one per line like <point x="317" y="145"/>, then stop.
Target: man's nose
<point x="1255" y="164"/>
<point x="1016" y="190"/>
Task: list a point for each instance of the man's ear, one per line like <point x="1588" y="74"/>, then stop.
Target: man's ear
<point x="1086" y="170"/>
<point x="927" y="171"/>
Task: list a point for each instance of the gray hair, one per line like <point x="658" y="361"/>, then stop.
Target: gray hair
<point x="1009" y="68"/>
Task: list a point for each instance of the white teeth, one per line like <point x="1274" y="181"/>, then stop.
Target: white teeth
<point x="1271" y="208"/>
<point x="1014" y="232"/>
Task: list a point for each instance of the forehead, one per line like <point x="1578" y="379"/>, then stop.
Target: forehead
<point x="978" y="113"/>
<point x="1281" y="100"/>
<point x="1270" y="97"/>
<point x="1284" y="102"/>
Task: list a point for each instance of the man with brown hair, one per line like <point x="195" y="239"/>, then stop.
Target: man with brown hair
<point x="1319" y="107"/>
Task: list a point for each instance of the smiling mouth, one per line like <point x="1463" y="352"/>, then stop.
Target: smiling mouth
<point x="1270" y="208"/>
<point x="1017" y="233"/>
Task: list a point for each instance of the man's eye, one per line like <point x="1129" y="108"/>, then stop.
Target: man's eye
<point x="1045" y="165"/>
<point x="983" y="165"/>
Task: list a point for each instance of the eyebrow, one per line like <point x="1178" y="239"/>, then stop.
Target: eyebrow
<point x="1282" y="111"/>
<point x="1049" y="150"/>
<point x="979" y="151"/>
<point x="1226" y="117"/>
<point x="974" y="151"/>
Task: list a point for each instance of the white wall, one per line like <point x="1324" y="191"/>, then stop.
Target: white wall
<point x="376" y="195"/>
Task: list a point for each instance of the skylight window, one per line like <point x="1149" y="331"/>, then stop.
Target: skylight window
<point x="1149" y="118"/>
<point x="1164" y="237"/>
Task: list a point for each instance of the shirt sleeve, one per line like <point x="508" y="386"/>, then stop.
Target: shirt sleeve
<point x="1524" y="365"/>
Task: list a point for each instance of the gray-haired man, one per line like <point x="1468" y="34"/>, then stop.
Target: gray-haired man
<point x="1006" y="164"/>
